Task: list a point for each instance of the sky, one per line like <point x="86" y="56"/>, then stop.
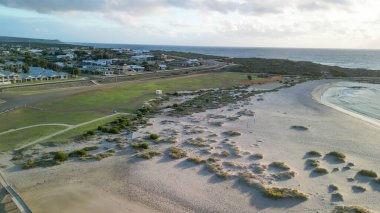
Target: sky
<point x="353" y="24"/>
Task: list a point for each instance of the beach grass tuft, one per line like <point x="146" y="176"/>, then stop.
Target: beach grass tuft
<point x="313" y="154"/>
<point x="143" y="145"/>
<point x="321" y="171"/>
<point x="279" y="165"/>
<point x="338" y="156"/>
<point x="284" y="193"/>
<point x="367" y="173"/>
<point x="150" y="154"/>
<point x="350" y="209"/>
<point x="177" y="153"/>
<point x="196" y="159"/>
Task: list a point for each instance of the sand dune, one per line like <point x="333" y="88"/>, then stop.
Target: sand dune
<point x="124" y="183"/>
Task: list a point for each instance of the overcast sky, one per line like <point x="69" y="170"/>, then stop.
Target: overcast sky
<point x="251" y="23"/>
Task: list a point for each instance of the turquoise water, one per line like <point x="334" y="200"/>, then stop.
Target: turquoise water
<point x="360" y="98"/>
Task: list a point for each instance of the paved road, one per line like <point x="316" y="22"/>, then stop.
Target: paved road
<point x="68" y="129"/>
<point x="16" y="198"/>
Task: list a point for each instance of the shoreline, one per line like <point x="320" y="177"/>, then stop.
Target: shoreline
<point x="164" y="184"/>
<point x="318" y="93"/>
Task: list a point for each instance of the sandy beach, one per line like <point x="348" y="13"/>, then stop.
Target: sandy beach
<point x="124" y="183"/>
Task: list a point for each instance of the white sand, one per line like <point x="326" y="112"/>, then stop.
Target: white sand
<point x="124" y="184"/>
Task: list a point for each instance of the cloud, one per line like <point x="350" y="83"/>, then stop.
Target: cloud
<point x="141" y="7"/>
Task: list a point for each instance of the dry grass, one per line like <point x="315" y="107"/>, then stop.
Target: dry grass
<point x="350" y="209"/>
<point x="231" y="133"/>
<point x="284" y="193"/>
<point x="197" y="142"/>
<point x="284" y="175"/>
<point x="279" y="165"/>
<point x="257" y="156"/>
<point x="177" y="153"/>
<point x="150" y="154"/>
<point x="196" y="159"/>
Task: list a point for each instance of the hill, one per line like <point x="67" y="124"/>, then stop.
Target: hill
<point x="8" y="39"/>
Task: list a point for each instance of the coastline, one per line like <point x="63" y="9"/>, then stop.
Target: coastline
<point x="166" y="185"/>
<point x="317" y="95"/>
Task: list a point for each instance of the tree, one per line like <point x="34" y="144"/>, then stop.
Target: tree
<point x="25" y="68"/>
<point x="249" y="77"/>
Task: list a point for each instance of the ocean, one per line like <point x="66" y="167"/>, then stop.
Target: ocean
<point x="348" y="58"/>
<point x="359" y="98"/>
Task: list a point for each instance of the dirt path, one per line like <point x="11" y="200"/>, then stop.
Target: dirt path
<point x="37" y="125"/>
<point x="70" y="127"/>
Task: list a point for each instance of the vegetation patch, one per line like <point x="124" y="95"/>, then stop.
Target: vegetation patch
<point x="197" y="142"/>
<point x="90" y="148"/>
<point x="358" y="189"/>
<point x="61" y="156"/>
<point x="321" y="171"/>
<point x="299" y="128"/>
<point x="196" y="159"/>
<point x="350" y="209"/>
<point x="154" y="136"/>
<point x="177" y="153"/>
<point x="218" y="170"/>
<point x="143" y="145"/>
<point x="313" y="154"/>
<point x="257" y="156"/>
<point x="79" y="153"/>
<point x="284" y="175"/>
<point x="232" y="133"/>
<point x="337" y="197"/>
<point x="279" y="165"/>
<point x="312" y="163"/>
<point x="367" y="173"/>
<point x="284" y="193"/>
<point x="338" y="156"/>
<point x="150" y="154"/>
<point x="332" y="188"/>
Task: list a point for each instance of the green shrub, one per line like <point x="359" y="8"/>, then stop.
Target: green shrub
<point x="337" y="155"/>
<point x="177" y="153"/>
<point x="30" y="163"/>
<point x="225" y="153"/>
<point x="367" y="173"/>
<point x="90" y="148"/>
<point x="143" y="145"/>
<point x="279" y="165"/>
<point x="154" y="136"/>
<point x="61" y="156"/>
<point x="149" y="155"/>
<point x="333" y="188"/>
<point x="312" y="163"/>
<point x="284" y="193"/>
<point x="114" y="130"/>
<point x="358" y="189"/>
<point x="78" y="153"/>
<point x="313" y="154"/>
<point x="257" y="156"/>
<point x="320" y="171"/>
<point x="337" y="197"/>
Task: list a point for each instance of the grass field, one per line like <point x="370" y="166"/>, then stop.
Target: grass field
<point x="125" y="97"/>
<point x="72" y="134"/>
<point x="16" y="139"/>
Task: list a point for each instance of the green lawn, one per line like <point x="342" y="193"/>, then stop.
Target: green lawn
<point x="72" y="134"/>
<point x="126" y="97"/>
<point x="25" y="117"/>
<point x="16" y="139"/>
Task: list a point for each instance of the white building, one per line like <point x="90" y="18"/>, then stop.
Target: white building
<point x="136" y="68"/>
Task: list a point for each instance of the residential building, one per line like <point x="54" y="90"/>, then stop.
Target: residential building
<point x="136" y="68"/>
<point x="162" y="66"/>
<point x="143" y="57"/>
<point x="7" y="76"/>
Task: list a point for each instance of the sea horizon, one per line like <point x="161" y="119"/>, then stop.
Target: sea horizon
<point x="347" y="58"/>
